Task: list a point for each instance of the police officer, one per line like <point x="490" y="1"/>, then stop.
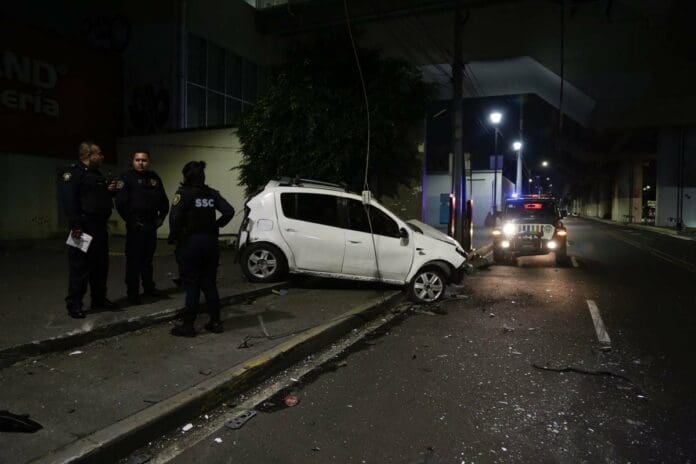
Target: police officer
<point x="142" y="203"/>
<point x="194" y="228"/>
<point x="87" y="200"/>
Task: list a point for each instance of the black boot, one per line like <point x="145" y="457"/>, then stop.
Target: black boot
<point x="183" y="330"/>
<point x="104" y="303"/>
<point x="214" y="327"/>
<point x="76" y="313"/>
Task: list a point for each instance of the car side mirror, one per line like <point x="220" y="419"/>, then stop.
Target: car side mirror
<point x="564" y="213"/>
<point x="403" y="233"/>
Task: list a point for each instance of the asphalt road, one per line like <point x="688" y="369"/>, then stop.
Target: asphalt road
<point x="514" y="371"/>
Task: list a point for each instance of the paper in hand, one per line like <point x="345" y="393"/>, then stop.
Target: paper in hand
<point x="82" y="243"/>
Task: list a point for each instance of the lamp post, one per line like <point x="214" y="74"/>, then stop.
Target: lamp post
<point x="495" y="118"/>
<point x="517" y="146"/>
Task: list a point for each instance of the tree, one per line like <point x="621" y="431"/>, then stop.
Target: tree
<point x="310" y="121"/>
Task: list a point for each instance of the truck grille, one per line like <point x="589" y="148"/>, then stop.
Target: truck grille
<point x="530" y="228"/>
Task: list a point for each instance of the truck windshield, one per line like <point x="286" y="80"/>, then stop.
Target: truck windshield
<point x="528" y="209"/>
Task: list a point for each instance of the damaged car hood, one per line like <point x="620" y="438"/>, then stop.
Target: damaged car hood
<point x="432" y="232"/>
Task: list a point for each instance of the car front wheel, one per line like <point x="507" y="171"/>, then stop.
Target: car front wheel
<point x="263" y="262"/>
<point x="427" y="286"/>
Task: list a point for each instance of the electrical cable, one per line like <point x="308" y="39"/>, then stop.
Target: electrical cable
<point x="366" y="185"/>
<point x="364" y="89"/>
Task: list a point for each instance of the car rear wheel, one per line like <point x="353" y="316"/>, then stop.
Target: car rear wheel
<point x="427" y="286"/>
<point x="263" y="262"/>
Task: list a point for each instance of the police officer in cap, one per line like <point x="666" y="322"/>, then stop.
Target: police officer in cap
<point x="142" y="203"/>
<point x="87" y="200"/>
<point x="194" y="228"/>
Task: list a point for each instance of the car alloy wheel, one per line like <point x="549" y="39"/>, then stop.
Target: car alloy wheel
<point x="428" y="286"/>
<point x="262" y="263"/>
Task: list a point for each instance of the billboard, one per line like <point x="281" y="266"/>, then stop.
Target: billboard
<point x="55" y="93"/>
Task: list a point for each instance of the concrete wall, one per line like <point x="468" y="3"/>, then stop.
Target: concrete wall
<point x="627" y="192"/>
<point x="481" y="187"/>
<point x="29" y="191"/>
<point x="219" y="148"/>
<point x="435" y="185"/>
<point x="668" y="176"/>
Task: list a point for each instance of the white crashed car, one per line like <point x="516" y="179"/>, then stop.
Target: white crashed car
<point x="313" y="228"/>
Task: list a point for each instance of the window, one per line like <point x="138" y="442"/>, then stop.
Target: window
<point x="381" y="223"/>
<point x="311" y="207"/>
<point x="219" y="84"/>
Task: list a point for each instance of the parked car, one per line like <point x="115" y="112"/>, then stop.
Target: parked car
<point x="314" y="228"/>
<point x="531" y="225"/>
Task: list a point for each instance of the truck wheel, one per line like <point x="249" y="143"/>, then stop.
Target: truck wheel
<point x="263" y="262"/>
<point x="562" y="255"/>
<point x="427" y="286"/>
<point x="498" y="256"/>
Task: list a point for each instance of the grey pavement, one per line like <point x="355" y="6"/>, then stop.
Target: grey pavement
<point x="33" y="314"/>
<point x="98" y="397"/>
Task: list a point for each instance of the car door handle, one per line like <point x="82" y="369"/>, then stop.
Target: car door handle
<point x="290" y="230"/>
<point x="354" y="241"/>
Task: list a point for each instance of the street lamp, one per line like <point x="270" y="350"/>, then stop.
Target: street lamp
<point x="545" y="164"/>
<point x="517" y="146"/>
<point x="495" y="118"/>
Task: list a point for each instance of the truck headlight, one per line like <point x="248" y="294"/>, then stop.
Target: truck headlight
<point x="509" y="228"/>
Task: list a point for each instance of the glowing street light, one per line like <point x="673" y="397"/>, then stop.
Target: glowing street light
<point x="495" y="117"/>
<point x="545" y="164"/>
<point x="517" y="145"/>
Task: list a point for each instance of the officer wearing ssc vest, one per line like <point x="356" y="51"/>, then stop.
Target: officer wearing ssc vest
<point x="194" y="228"/>
<point x="142" y="203"/>
<point x="87" y="200"/>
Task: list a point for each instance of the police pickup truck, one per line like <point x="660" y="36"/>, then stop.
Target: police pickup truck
<point x="530" y="225"/>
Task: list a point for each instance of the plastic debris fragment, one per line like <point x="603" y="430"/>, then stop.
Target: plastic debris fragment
<point x="240" y="420"/>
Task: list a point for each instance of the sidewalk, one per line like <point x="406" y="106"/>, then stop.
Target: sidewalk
<point x="684" y="234"/>
<point x="33" y="314"/>
<point x="115" y="380"/>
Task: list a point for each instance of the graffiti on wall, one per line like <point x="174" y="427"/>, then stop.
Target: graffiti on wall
<point x="107" y="33"/>
<point x="148" y="111"/>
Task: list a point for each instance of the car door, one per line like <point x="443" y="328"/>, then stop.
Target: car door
<point x="395" y="254"/>
<point x="309" y="224"/>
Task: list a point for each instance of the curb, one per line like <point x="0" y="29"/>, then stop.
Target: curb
<point x="13" y="354"/>
<point x="119" y="439"/>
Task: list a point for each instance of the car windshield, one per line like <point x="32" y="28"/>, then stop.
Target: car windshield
<point x="529" y="209"/>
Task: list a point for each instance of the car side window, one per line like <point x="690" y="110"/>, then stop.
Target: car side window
<point x="311" y="207"/>
<point x="381" y="223"/>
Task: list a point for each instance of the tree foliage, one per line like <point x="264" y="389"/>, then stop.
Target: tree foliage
<point x="310" y="121"/>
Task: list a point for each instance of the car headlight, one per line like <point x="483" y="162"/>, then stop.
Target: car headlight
<point x="509" y="228"/>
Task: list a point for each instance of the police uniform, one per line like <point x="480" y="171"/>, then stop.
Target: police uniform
<point x="87" y="203"/>
<point x="142" y="203"/>
<point x="194" y="228"/>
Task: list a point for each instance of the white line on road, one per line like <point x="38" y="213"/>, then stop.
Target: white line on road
<point x="602" y="334"/>
<point x="574" y="261"/>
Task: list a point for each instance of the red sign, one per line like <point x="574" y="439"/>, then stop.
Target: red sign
<point x="55" y="93"/>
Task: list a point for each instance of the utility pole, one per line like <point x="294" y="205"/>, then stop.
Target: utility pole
<point x="518" y="180"/>
<point x="458" y="175"/>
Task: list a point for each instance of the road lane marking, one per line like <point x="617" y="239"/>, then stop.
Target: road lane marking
<point x="574" y="261"/>
<point x="602" y="334"/>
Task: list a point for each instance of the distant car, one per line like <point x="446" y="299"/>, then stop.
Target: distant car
<point x="308" y="227"/>
<point x="531" y="225"/>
